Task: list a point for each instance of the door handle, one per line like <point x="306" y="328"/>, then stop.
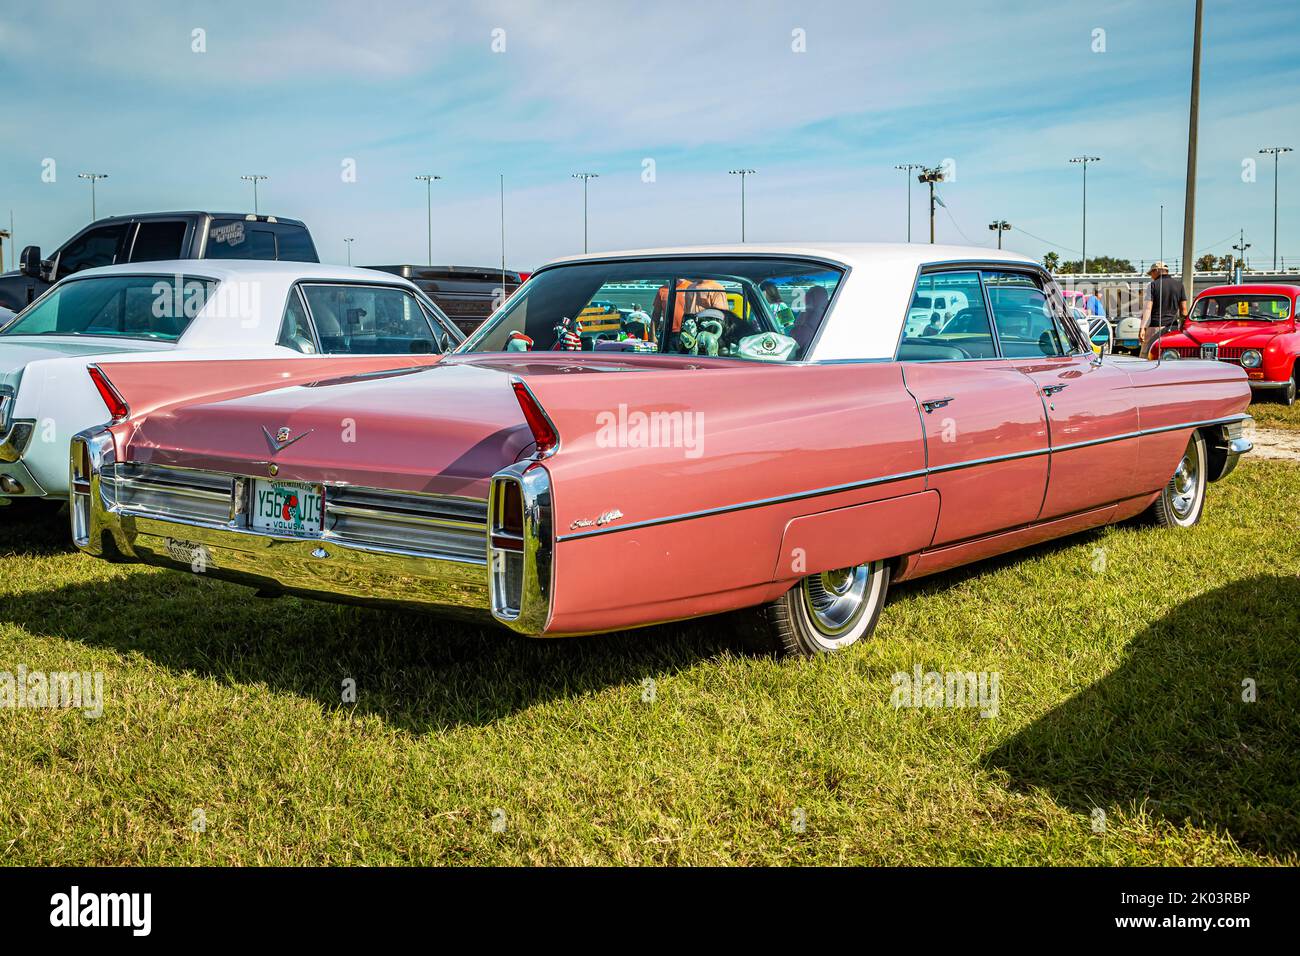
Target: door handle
<point x="934" y="403"/>
<point x="1053" y="389"/>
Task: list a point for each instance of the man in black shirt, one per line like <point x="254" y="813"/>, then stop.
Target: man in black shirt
<point x="1165" y="307"/>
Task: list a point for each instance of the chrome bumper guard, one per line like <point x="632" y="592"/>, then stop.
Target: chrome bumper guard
<point x="15" y="439"/>
<point x="128" y="512"/>
<point x="1226" y="450"/>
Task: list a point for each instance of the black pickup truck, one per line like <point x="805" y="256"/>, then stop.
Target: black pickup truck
<point x="468" y="294"/>
<point x="155" y="237"/>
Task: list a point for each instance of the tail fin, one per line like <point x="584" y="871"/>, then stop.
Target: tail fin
<point x="133" y="388"/>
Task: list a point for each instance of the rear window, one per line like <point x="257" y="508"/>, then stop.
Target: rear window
<point x="143" y="307"/>
<point x="156" y="241"/>
<point x="293" y="244"/>
<point x="755" y="309"/>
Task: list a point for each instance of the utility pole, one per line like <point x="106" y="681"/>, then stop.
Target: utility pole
<point x="349" y="242"/>
<point x="1275" y="150"/>
<point x="907" y="174"/>
<point x="1162" y="232"/>
<point x="999" y="226"/>
<point x="1241" y="247"/>
<point x="1193" y="119"/>
<point x="931" y="176"/>
<point x="584" y="177"/>
<point x="742" y="173"/>
<point x="94" y="178"/>
<point x="429" y="179"/>
<point x="1085" y="160"/>
<point x="254" y="179"/>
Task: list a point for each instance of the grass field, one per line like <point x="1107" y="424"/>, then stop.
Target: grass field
<point x="1121" y="653"/>
<point x="1275" y="415"/>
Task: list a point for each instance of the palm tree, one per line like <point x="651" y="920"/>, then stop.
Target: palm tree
<point x="1052" y="261"/>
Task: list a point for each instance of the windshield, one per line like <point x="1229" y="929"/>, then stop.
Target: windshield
<point x="1251" y="308"/>
<point x="140" y="307"/>
<point x="755" y="309"/>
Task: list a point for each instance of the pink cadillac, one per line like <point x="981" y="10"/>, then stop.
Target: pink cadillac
<point x="743" y="427"/>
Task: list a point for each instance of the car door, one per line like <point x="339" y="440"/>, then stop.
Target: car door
<point x="1089" y="403"/>
<point x="985" y="425"/>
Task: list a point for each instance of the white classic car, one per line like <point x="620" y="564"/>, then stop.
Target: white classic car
<point x="183" y="310"/>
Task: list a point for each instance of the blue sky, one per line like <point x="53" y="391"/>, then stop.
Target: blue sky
<point x="1006" y="91"/>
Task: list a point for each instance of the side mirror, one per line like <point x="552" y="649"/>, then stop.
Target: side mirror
<point x="29" y="262"/>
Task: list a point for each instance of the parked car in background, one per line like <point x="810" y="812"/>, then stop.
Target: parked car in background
<point x="185" y="310"/>
<point x="574" y="487"/>
<point x="468" y="294"/>
<point x="1251" y="326"/>
<point x="157" y="237"/>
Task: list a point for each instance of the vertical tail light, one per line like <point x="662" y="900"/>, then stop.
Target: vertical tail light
<point x="520" y="547"/>
<point x="539" y="423"/>
<point x="117" y="407"/>
<point x="90" y="455"/>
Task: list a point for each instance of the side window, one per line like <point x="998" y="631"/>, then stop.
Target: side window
<point x="98" y="247"/>
<point x="295" y="330"/>
<point x="368" y="320"/>
<point x="238" y="239"/>
<point x="946" y="320"/>
<point x="156" y="241"/>
<point x="1025" y="320"/>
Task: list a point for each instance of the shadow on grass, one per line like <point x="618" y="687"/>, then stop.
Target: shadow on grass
<point x="414" y="671"/>
<point x="34" y="528"/>
<point x="1169" y="730"/>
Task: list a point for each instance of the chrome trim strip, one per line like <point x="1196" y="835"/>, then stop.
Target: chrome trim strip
<point x="929" y="470"/>
<point x="403" y="517"/>
<point x="743" y="506"/>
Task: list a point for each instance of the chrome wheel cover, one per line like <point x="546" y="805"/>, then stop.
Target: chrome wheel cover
<point x="836" y="600"/>
<point x="1184" y="487"/>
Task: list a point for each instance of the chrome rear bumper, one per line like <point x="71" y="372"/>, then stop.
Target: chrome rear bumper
<point x="324" y="567"/>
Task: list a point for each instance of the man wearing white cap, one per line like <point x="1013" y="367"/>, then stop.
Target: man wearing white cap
<point x="1165" y="307"/>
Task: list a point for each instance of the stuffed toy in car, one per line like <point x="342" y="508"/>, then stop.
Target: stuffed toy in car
<point x="568" y="335"/>
<point x="516" y="341"/>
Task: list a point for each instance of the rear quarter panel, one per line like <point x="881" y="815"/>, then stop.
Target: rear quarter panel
<point x="700" y="526"/>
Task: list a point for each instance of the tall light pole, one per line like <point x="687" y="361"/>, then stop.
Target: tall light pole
<point x="1085" y="160"/>
<point x="349" y="241"/>
<point x="1189" y="202"/>
<point x="907" y="174"/>
<point x="1162" y="232"/>
<point x="931" y="176"/>
<point x="254" y="179"/>
<point x="742" y="173"/>
<point x="584" y="177"/>
<point x="428" y="179"/>
<point x="94" y="178"/>
<point x="999" y="226"/>
<point x="1275" y="150"/>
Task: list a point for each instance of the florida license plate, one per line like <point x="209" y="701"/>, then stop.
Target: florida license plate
<point x="290" y="508"/>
